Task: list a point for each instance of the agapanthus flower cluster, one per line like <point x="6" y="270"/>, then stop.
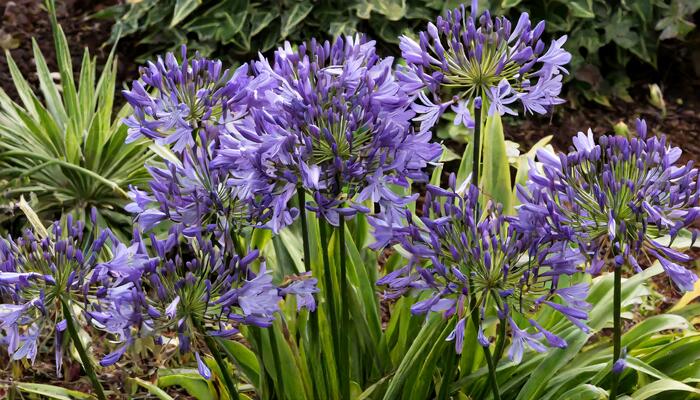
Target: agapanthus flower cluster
<point x="192" y="96"/>
<point x="465" y="58"/>
<point x="189" y="288"/>
<point x="624" y="201"/>
<point x="38" y="272"/>
<point x="193" y="104"/>
<point x="455" y="254"/>
<point x="194" y="194"/>
<point x="339" y="126"/>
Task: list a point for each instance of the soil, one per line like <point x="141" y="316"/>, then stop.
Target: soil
<point x="22" y="20"/>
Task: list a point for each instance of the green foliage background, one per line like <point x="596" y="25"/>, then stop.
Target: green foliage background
<point x="604" y="36"/>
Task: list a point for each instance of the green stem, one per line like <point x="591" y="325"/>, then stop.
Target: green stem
<point x="228" y="381"/>
<point x="301" y="197"/>
<point x="87" y="363"/>
<point x="313" y="316"/>
<point x="474" y="307"/>
<point x="476" y="151"/>
<point x="447" y="377"/>
<point x="264" y="384"/>
<point x="345" y="314"/>
<point x="330" y="297"/>
<point x="501" y="341"/>
<point x="617" y="327"/>
<point x="492" y="374"/>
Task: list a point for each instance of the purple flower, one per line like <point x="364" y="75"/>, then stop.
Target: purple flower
<point x="190" y="287"/>
<point x="202" y="367"/>
<point x="37" y="273"/>
<point x="192" y="96"/>
<point x="194" y="106"/>
<point x="458" y="335"/>
<point x="614" y="198"/>
<point x="522" y="339"/>
<point x="621" y="362"/>
<point x="453" y="254"/>
<point x="339" y="122"/>
<point x="464" y="56"/>
<point x="303" y="290"/>
<point x="462" y="115"/>
<point x="500" y="96"/>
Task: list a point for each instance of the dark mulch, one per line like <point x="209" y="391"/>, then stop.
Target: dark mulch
<point x="681" y="122"/>
<point x="22" y="20"/>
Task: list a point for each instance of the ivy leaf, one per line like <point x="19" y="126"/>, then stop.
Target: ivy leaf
<point x="393" y="10"/>
<point x="294" y="17"/>
<point x="581" y="9"/>
<point x="619" y="30"/>
<point x="183" y="8"/>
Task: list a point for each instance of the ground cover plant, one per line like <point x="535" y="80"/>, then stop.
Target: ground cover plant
<point x="290" y="228"/>
<point x="608" y="40"/>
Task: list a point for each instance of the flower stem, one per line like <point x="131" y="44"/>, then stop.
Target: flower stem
<point x="228" y="381"/>
<point x="617" y="327"/>
<point x="476" y="151"/>
<point x="492" y="374"/>
<point x="473" y="306"/>
<point x="301" y="197"/>
<point x="344" y="314"/>
<point x="87" y="363"/>
<point x="447" y="377"/>
<point x="500" y="341"/>
<point x="330" y="297"/>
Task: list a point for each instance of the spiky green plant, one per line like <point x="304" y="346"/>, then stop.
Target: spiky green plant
<point x="63" y="145"/>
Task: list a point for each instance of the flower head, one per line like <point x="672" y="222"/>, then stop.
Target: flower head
<point x="191" y="96"/>
<point x="192" y="287"/>
<point x="455" y="254"/>
<point x="464" y="56"/>
<point x="41" y="270"/>
<point x="617" y="198"/>
<point x="194" y="104"/>
<point x="339" y="126"/>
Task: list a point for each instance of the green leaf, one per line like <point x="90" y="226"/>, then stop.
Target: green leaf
<point x="152" y="389"/>
<point x="417" y="352"/>
<point x="555" y="360"/>
<point x="495" y="178"/>
<point x="293" y="17"/>
<point x="393" y="10"/>
<point x="243" y="357"/>
<point x="521" y="175"/>
<point x="663" y="386"/>
<point x="51" y="391"/>
<point x="643" y="367"/>
<point x="651" y="326"/>
<point x="507" y="4"/>
<point x="586" y="392"/>
<point x="183" y="8"/>
<point x="581" y="8"/>
<point x="195" y="385"/>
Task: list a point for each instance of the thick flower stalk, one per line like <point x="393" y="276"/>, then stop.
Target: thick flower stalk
<point x="623" y="200"/>
<point x="465" y="58"/>
<point x="195" y="289"/>
<point x="339" y="127"/>
<point x="454" y="256"/>
<point x="45" y="277"/>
